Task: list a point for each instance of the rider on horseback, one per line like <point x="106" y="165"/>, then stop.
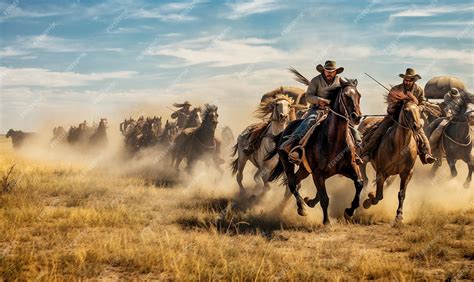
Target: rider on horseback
<point x="316" y="96"/>
<point x="453" y="102"/>
<point x="410" y="89"/>
<point x="182" y="114"/>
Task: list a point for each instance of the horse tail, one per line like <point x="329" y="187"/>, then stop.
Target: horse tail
<point x="277" y="172"/>
<point x="235" y="165"/>
<point x="298" y="76"/>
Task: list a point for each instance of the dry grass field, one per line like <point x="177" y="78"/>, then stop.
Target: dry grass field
<point x="65" y="220"/>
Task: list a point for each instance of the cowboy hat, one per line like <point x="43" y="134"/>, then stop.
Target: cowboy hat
<point x="186" y="103"/>
<point x="329" y="66"/>
<point x="410" y="74"/>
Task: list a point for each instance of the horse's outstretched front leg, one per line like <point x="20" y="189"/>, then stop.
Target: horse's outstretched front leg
<point x="405" y="179"/>
<point x="374" y="199"/>
<point x="293" y="185"/>
<point x="470" y="166"/>
<point x="320" y="184"/>
<point x="241" y="162"/>
<point x="452" y="167"/>
<point x="358" y="184"/>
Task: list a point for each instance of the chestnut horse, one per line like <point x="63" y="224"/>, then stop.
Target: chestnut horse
<point x="329" y="151"/>
<point x="396" y="154"/>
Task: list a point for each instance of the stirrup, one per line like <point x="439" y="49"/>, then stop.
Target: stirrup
<point x="295" y="155"/>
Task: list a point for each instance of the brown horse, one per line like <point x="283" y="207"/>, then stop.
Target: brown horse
<point x="456" y="142"/>
<point x="397" y="152"/>
<point x="329" y="151"/>
<point x="19" y="137"/>
<point x="99" y="137"/>
<point x="198" y="143"/>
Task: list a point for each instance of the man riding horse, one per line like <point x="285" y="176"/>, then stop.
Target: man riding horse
<point x="453" y="102"/>
<point x="182" y="114"/>
<point x="409" y="88"/>
<point x="316" y="95"/>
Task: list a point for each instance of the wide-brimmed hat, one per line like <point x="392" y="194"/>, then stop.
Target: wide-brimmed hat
<point x="186" y="103"/>
<point x="329" y="66"/>
<point x="410" y="74"/>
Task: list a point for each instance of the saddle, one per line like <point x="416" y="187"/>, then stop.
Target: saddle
<point x="256" y="134"/>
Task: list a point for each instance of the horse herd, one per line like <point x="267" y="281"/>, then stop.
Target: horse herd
<point x="330" y="149"/>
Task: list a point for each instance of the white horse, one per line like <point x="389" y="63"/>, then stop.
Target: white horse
<point x="279" y="108"/>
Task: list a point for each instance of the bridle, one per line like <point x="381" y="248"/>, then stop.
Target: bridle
<point x="346" y="114"/>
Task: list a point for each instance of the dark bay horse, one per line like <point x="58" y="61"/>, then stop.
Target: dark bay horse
<point x="456" y="141"/>
<point x="397" y="153"/>
<point x="99" y="137"/>
<point x="19" y="137"/>
<point x="330" y="150"/>
<point x="198" y="143"/>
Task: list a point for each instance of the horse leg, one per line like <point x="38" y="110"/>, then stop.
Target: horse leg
<point x="242" y="161"/>
<point x="470" y="166"/>
<point x="405" y="178"/>
<point x="358" y="184"/>
<point x="374" y="199"/>
<point x="257" y="177"/>
<point x="293" y="185"/>
<point x="320" y="184"/>
<point x="452" y="167"/>
<point x="363" y="171"/>
<point x="434" y="169"/>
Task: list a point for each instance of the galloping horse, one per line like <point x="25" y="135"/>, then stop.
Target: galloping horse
<point x="279" y="109"/>
<point x="455" y="142"/>
<point x="397" y="153"/>
<point x="197" y="143"/>
<point x="19" y="137"/>
<point x="99" y="137"/>
<point x="330" y="150"/>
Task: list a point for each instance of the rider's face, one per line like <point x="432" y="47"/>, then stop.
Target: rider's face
<point x="329" y="75"/>
<point x="408" y="83"/>
<point x="187" y="107"/>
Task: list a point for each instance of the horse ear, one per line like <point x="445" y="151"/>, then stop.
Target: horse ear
<point x="355" y="82"/>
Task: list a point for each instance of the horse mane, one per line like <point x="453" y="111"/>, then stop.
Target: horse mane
<point x="298" y="76"/>
<point x="264" y="108"/>
<point x="396" y="99"/>
<point x="332" y="91"/>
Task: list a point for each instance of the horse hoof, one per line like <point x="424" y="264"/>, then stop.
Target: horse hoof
<point x="310" y="202"/>
<point x="348" y="214"/>
<point x="371" y="195"/>
<point x="326" y="222"/>
<point x="467" y="185"/>
<point x="367" y="204"/>
<point x="302" y="212"/>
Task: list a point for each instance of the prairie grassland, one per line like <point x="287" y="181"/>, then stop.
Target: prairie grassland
<point x="67" y="221"/>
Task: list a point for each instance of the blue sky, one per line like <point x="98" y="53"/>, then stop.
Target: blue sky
<point x="64" y="61"/>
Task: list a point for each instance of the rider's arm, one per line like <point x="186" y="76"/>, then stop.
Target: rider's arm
<point x="312" y="94"/>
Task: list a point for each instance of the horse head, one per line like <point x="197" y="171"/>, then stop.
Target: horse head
<point x="410" y="116"/>
<point x="10" y="133"/>
<point x="281" y="107"/>
<point x="347" y="102"/>
<point x="210" y="115"/>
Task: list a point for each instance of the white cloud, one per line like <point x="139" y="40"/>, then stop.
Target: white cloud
<point x="245" y="8"/>
<point x="47" y="78"/>
<point x="432" y="10"/>
<point x="11" y="52"/>
<point x="221" y="53"/>
<point x="461" y="56"/>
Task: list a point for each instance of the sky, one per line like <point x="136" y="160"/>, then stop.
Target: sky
<point x="65" y="61"/>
